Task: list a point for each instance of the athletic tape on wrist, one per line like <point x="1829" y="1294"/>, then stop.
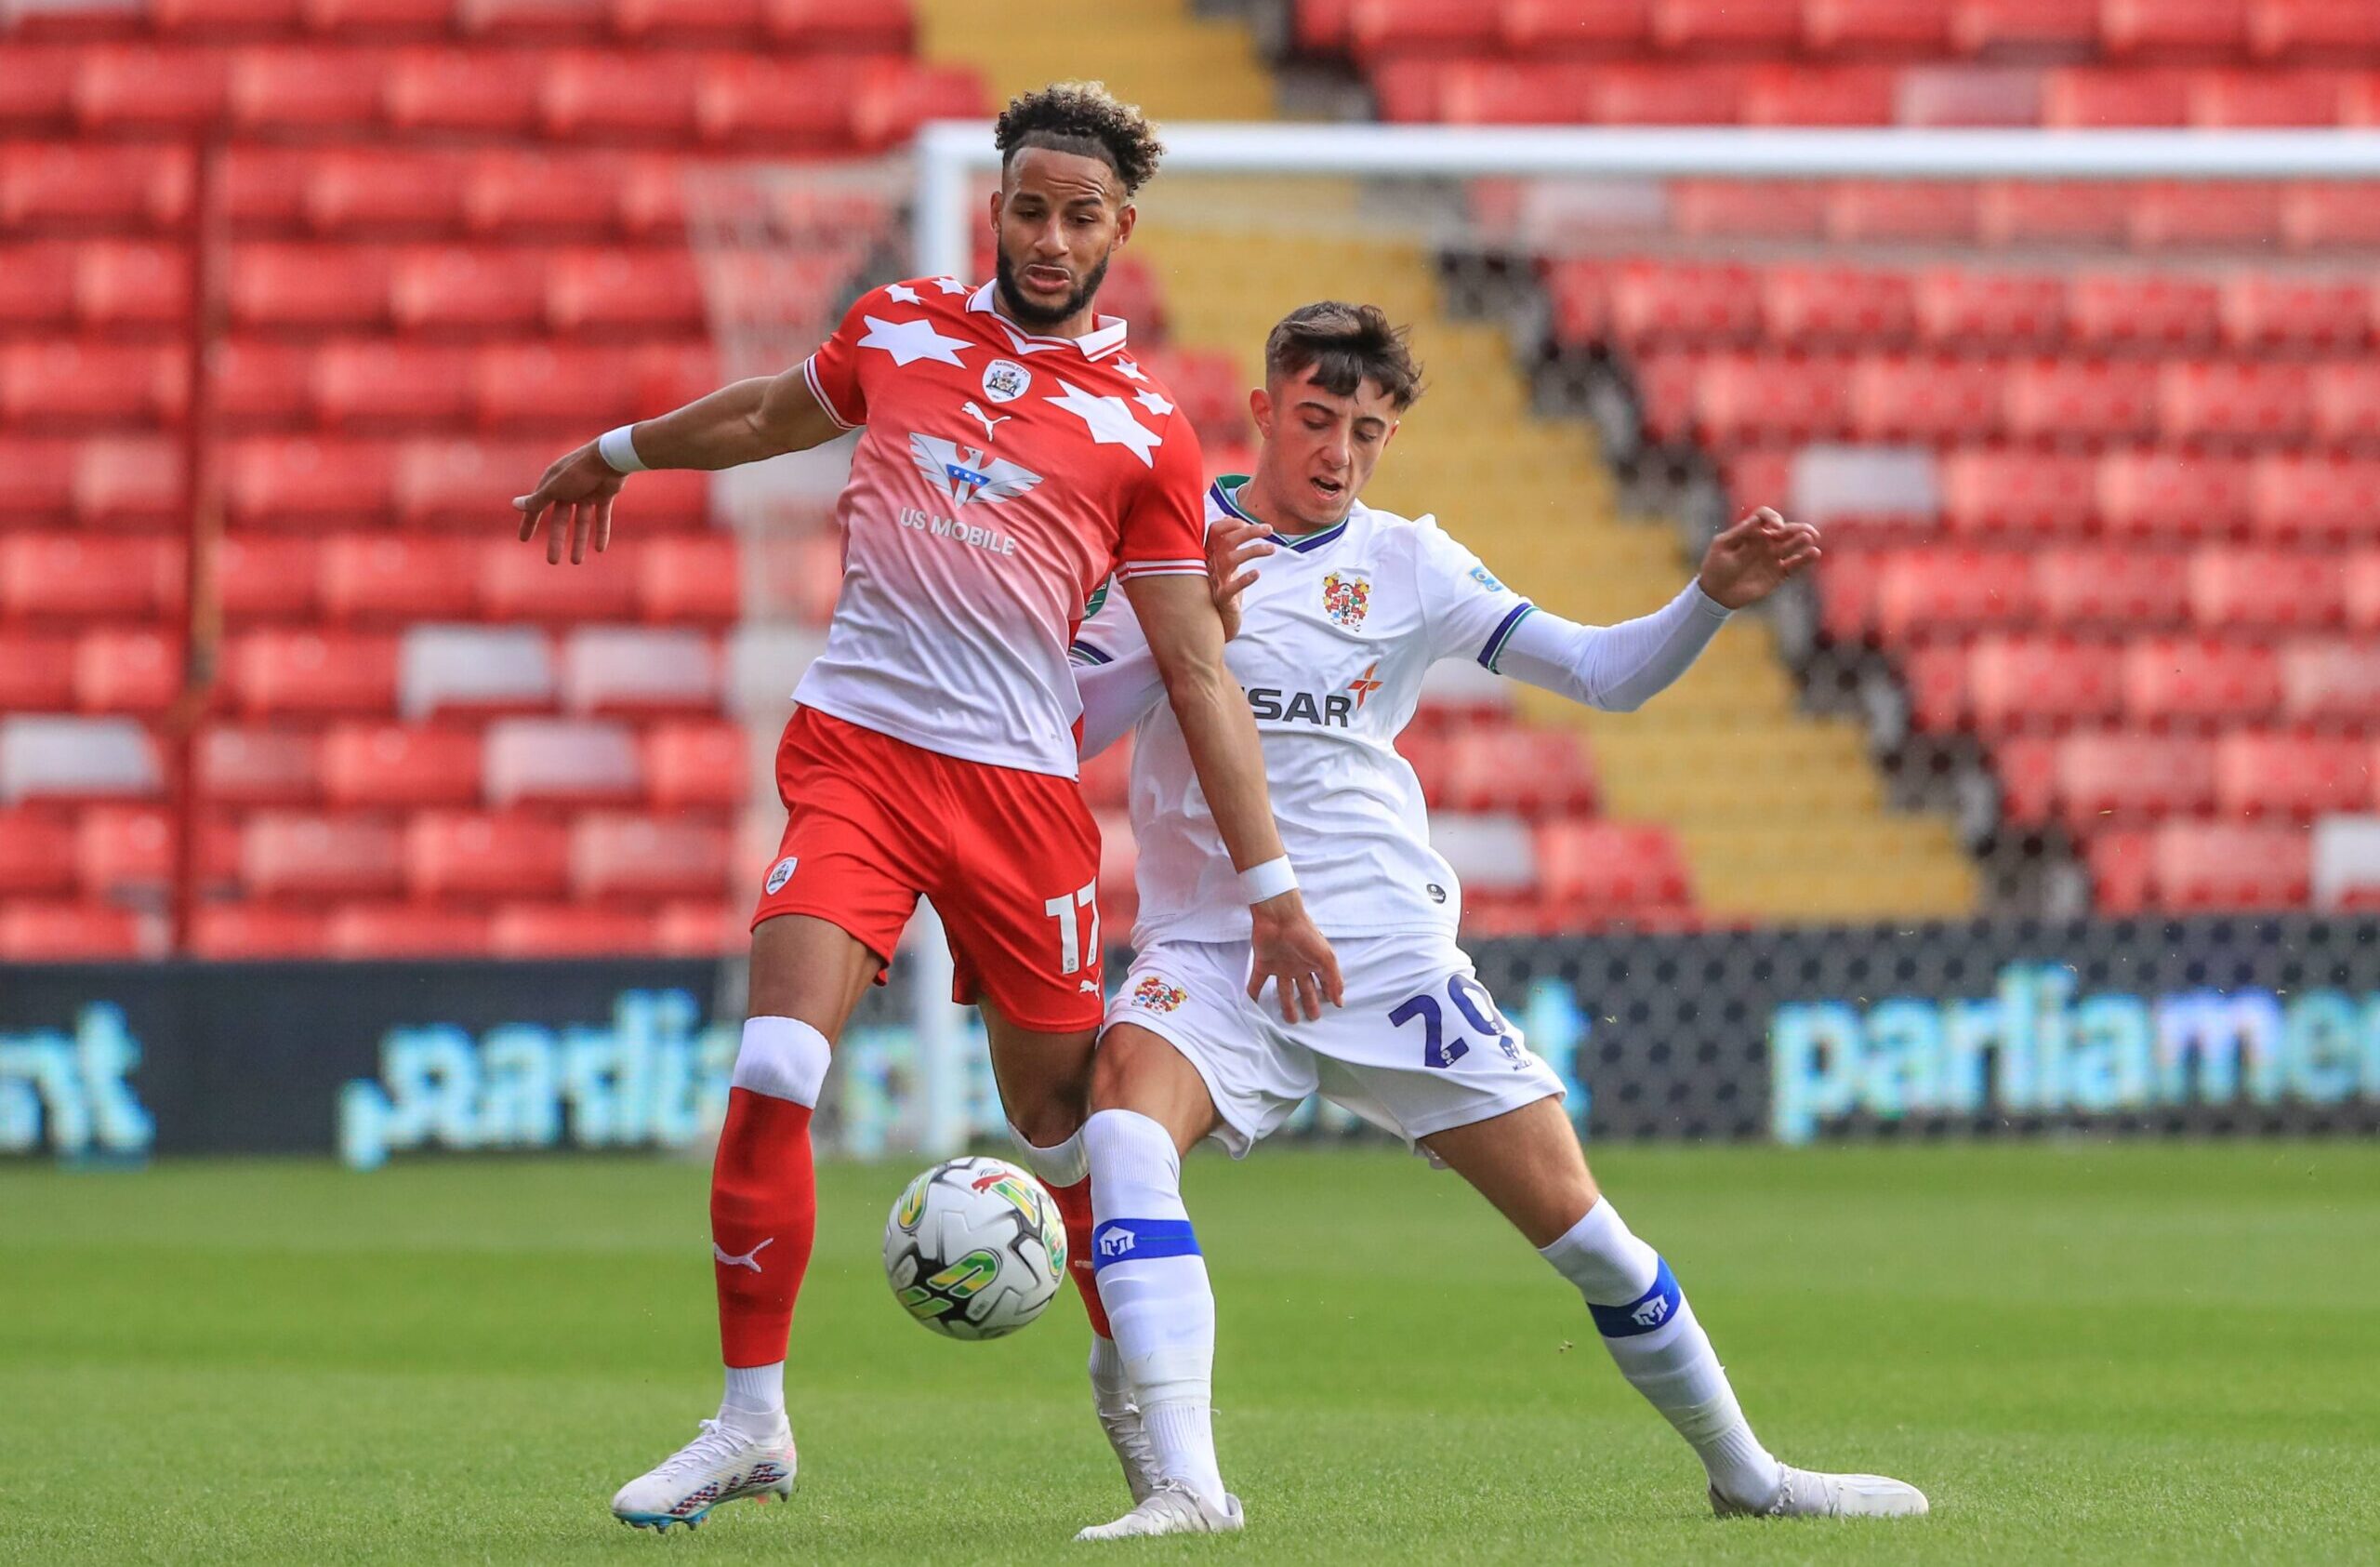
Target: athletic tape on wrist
<point x="1269" y="879"/>
<point x="619" y="449"/>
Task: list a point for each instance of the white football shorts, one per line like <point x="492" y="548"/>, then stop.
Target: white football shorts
<point x="1420" y="1047"/>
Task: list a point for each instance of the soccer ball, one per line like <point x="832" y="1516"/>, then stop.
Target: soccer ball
<point x="976" y="1248"/>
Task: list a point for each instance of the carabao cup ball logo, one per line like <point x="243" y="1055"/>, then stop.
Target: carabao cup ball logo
<point x="1344" y="599"/>
<point x="1154" y="994"/>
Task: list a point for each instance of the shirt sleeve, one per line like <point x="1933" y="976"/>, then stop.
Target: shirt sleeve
<point x="1164" y="531"/>
<point x="1116" y="674"/>
<point x="1471" y="614"/>
<point x="1615" y="667"/>
<point x="833" y="368"/>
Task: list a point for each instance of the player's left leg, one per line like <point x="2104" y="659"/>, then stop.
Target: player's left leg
<point x="1526" y="1162"/>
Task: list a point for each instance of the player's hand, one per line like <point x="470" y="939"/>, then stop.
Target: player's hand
<point x="1230" y="545"/>
<point x="1291" y="953"/>
<point x="577" y="490"/>
<point x="1751" y="560"/>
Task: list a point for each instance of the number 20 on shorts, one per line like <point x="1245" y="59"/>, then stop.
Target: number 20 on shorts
<point x="1438" y="1051"/>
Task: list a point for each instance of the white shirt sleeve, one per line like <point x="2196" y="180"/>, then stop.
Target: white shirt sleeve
<point x="1470" y="612"/>
<point x="1616" y="668"/>
<point x="1116" y="674"/>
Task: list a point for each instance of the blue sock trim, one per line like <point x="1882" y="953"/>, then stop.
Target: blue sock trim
<point x="1138" y="1240"/>
<point x="1652" y="1309"/>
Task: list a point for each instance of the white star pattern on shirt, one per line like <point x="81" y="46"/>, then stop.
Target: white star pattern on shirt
<point x="1129" y="370"/>
<point x="1154" y="402"/>
<point x="911" y="340"/>
<point x="903" y="293"/>
<point x="950" y="286"/>
<point x="1110" y="423"/>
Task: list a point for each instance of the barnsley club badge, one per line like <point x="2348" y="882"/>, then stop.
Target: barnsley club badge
<point x="1005" y="380"/>
<point x="1345" y="596"/>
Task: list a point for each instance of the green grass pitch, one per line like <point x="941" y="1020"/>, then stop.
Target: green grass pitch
<point x="2085" y="1352"/>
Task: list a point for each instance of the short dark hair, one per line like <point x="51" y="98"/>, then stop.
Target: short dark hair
<point x="1083" y="119"/>
<point x="1345" y="346"/>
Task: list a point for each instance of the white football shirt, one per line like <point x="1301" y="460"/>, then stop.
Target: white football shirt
<point x="1335" y="636"/>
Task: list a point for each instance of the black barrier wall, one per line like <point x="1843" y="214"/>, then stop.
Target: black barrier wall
<point x="2212" y="1026"/>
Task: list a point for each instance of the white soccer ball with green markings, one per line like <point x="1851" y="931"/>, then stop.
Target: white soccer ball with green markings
<point x="976" y="1248"/>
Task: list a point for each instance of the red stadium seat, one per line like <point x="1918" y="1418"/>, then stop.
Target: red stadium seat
<point x="2172" y="494"/>
<point x="257" y="767"/>
<point x="396" y="578"/>
<point x="124" y="852"/>
<point x="33" y="933"/>
<point x="2012" y="212"/>
<point x="2316" y="29"/>
<point x="475" y="91"/>
<point x="2122" y="869"/>
<point x="537" y="384"/>
<point x="387" y="191"/>
<point x="540" y="21"/>
<point x="1457" y="27"/>
<point x="1742" y="397"/>
<point x="374" y="384"/>
<point x="2027" y="768"/>
<point x="1859" y="211"/>
<point x="2133" y="307"/>
<point x="1624" y="94"/>
<point x="2066" y="399"/>
<point x="367" y="763"/>
<point x="278" y="671"/>
<point x="442" y="483"/>
<point x="1959" y="306"/>
<point x="516" y="583"/>
<point x="141" y="86"/>
<point x="1805" y="304"/>
<point x="65" y="576"/>
<point x="691" y="580"/>
<point x="2211" y="865"/>
<point x="93" y="185"/>
<point x="36" y="283"/>
<point x="36" y="671"/>
<point x="471" y="856"/>
<point x="1618" y="864"/>
<point x="2315" y="214"/>
<point x="703" y="763"/>
<point x="2363" y="590"/>
<point x="1799" y="94"/>
<point x="298" y="854"/>
<point x="2194" y="213"/>
<point x="2266" y="309"/>
<point x="2296" y="775"/>
<point x="2144" y="26"/>
<point x="1928" y="399"/>
<point x="404" y="930"/>
<point x="37" y="93"/>
<point x="274" y="483"/>
<point x="897" y="95"/>
<point x="780" y="103"/>
<point x="1544" y="29"/>
<point x="1865" y="25"/>
<point x="1533" y="772"/>
<point x="2264" y="589"/>
<point x="2227" y="400"/>
<point x="2118" y="589"/>
<point x="1922" y="592"/>
<point x="261" y="384"/>
<point x="310" y="285"/>
<point x="478" y="288"/>
<point x="1978" y="25"/>
<point x="1769" y="209"/>
<point x="131" y="284"/>
<point x="126" y="482"/>
<point x="1774" y="25"/>
<point x="679" y="22"/>
<point x="256" y="931"/>
<point x="2327" y="681"/>
<point x="81" y="383"/>
<point x="2199" y="679"/>
<point x="2096" y="97"/>
<point x="2043" y="681"/>
<point x="2346" y="401"/>
<point x="2247" y="99"/>
<point x="610" y="291"/>
<point x="304" y="88"/>
<point x="647" y="96"/>
<point x="1993" y="490"/>
<point x="627" y="857"/>
<point x="2115" y="778"/>
<point x="379" y="19"/>
<point x="568" y="930"/>
<point x="135" y="670"/>
<point x="36" y="852"/>
<point x="1653" y="300"/>
<point x="830" y="25"/>
<point x="41" y="471"/>
<point x="700" y="929"/>
<point x="545" y="196"/>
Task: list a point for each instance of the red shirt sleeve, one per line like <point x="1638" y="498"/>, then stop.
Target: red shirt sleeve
<point x="833" y="370"/>
<point x="1164" y="529"/>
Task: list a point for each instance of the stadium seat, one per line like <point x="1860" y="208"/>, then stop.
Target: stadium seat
<point x="895" y="96"/>
<point x="275" y="483"/>
<point x="1531" y="773"/>
<point x="555" y="386"/>
<point x="458" y="484"/>
<point x="1652" y="300"/>
<point x="447" y="89"/>
<point x="2293" y="776"/>
<point x="1922" y="27"/>
<point x="479" y="857"/>
<point x="1931" y="212"/>
<point x="2346" y="401"/>
<point x="216" y="20"/>
<point x="256" y="931"/>
<point x="41" y="471"/>
<point x="2222" y="865"/>
<point x="2226" y="401"/>
<point x="1771" y="25"/>
<point x="64" y="576"/>
<point x="2096" y="97"/>
<point x="630" y="671"/>
<point x="2026" y="766"/>
<point x="2117" y="590"/>
<point x="1801" y="94"/>
<point x="301" y="855"/>
<point x="37" y="853"/>
<point x="1769" y="209"/>
<point x="463" y="670"/>
<point x="1493" y="852"/>
<point x="2086" y="399"/>
<point x="780" y="103"/>
<point x="2266" y="590"/>
<point x="1742" y="397"/>
<point x="2152" y="493"/>
<point x="634" y="857"/>
<point x="389" y="192"/>
<point x="1618" y="864"/>
<point x="1991" y="491"/>
<point x="2122" y="869"/>
<point x="2362" y="575"/>
<point x="2330" y="680"/>
<point x="2118" y="778"/>
<point x="94" y="185"/>
<point x="266" y="577"/>
<point x="256" y="765"/>
<point x="516" y="583"/>
<point x="2263" y="311"/>
<point x="479" y="288"/>
<point x="698" y="764"/>
<point x="2312" y="28"/>
<point x="2165" y="308"/>
<point x="123" y="853"/>
<point x="2150" y="26"/>
<point x="700" y="929"/>
<point x="831" y="26"/>
<point x="1959" y="306"/>
<point x="608" y="96"/>
<point x="84" y="383"/>
<point x="764" y="661"/>
<point x="691" y="581"/>
<point x="675" y="21"/>
<point x="2198" y="212"/>
<point x="1980" y="25"/>
<point x="127" y="670"/>
<point x="2346" y="862"/>
<point x="549" y="196"/>
<point x="568" y="930"/>
<point x="261" y="384"/>
<point x="1388" y="27"/>
<point x="2221" y="99"/>
<point x="2316" y="215"/>
<point x="276" y="284"/>
<point x="1826" y="303"/>
<point x="124" y="482"/>
<point x="377" y="764"/>
<point x="36" y="670"/>
<point x="2031" y="212"/>
<point x="379" y="385"/>
<point x="1928" y="591"/>
<point x="140" y="87"/>
<point x="130" y="283"/>
<point x="2199" y="679"/>
<point x="613" y="291"/>
<point x="2015" y="681"/>
<point x="395" y="578"/>
<point x="33" y="933"/>
<point x="560" y="762"/>
<point x="1928" y="399"/>
<point x="304" y="88"/>
<point x="311" y="673"/>
<point x="404" y="930"/>
<point x="2315" y="497"/>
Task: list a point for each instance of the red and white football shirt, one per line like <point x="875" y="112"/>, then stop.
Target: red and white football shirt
<point x="1000" y="478"/>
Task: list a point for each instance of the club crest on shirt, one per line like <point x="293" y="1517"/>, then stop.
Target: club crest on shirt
<point x="779" y="874"/>
<point x="1154" y="994"/>
<point x="1005" y="380"/>
<point x="1345" y="597"/>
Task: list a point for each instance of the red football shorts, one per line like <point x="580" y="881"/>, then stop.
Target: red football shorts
<point x="1010" y="859"/>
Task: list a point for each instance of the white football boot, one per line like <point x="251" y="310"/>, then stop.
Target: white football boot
<point x="1120" y="1419"/>
<point x="1808" y="1494"/>
<point x="719" y="1466"/>
<point x="1171" y="1508"/>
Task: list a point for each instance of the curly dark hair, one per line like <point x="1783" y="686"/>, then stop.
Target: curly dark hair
<point x="1083" y="119"/>
<point x="1345" y="346"/>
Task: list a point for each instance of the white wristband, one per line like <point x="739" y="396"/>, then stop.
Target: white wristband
<point x="618" y="450"/>
<point x="1269" y="879"/>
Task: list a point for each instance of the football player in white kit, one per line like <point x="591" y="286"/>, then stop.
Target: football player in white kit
<point x="1334" y="636"/>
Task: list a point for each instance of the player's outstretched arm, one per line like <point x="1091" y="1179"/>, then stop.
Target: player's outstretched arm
<point x="1619" y="668"/>
<point x="1185" y="636"/>
<point x="745" y="421"/>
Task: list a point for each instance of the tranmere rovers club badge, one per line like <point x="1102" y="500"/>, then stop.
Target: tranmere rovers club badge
<point x="1154" y="995"/>
<point x="1345" y="596"/>
<point x="1005" y="380"/>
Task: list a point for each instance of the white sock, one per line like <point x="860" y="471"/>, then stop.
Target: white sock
<point x="1111" y="1383"/>
<point x="755" y="1400"/>
<point x="1652" y="1336"/>
<point x="1153" y="1284"/>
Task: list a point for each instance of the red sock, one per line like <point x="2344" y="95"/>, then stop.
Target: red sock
<point x="763" y="1216"/>
<point x="1074" y="1207"/>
